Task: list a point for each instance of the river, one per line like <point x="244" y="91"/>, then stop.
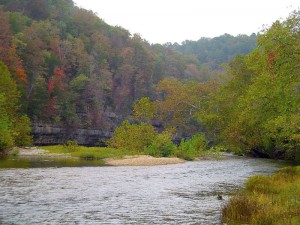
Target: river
<point x="170" y="194"/>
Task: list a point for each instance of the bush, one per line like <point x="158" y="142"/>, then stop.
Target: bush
<point x="71" y="146"/>
<point x="189" y="149"/>
<point x="162" y="146"/>
<point x="133" y="137"/>
<point x="216" y="151"/>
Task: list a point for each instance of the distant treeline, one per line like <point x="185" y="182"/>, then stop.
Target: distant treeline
<point x="216" y="51"/>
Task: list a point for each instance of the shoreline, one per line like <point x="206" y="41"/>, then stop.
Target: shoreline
<point x="135" y="160"/>
<point x="142" y="160"/>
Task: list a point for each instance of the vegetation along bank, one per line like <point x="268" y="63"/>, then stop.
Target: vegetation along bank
<point x="267" y="200"/>
<point x="64" y="67"/>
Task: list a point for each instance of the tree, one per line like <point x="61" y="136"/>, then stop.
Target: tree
<point x="258" y="108"/>
<point x="144" y="110"/>
<point x="133" y="137"/>
<point x="14" y="127"/>
<point x="181" y="103"/>
<point x="8" y="89"/>
<point x="6" y="137"/>
<point x="35" y="9"/>
<point x="8" y="50"/>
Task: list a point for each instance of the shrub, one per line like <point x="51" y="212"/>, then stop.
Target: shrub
<point x="162" y="146"/>
<point x="216" y="151"/>
<point x="71" y="146"/>
<point x="189" y="149"/>
<point x="133" y="137"/>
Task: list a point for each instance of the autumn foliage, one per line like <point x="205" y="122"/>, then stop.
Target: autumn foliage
<point x="74" y="69"/>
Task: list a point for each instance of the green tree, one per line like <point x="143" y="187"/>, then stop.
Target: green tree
<point x="22" y="131"/>
<point x="15" y="128"/>
<point x="181" y="102"/>
<point x="192" y="148"/>
<point x="8" y="88"/>
<point x="6" y="137"/>
<point x="132" y="137"/>
<point x="258" y="108"/>
<point x="145" y="110"/>
<point x="162" y="145"/>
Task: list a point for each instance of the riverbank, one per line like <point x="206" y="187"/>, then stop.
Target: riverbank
<point x="37" y="152"/>
<point x="267" y="200"/>
<point x="142" y="160"/>
<point x="111" y="157"/>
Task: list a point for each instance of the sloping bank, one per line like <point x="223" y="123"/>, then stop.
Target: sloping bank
<point x="267" y="200"/>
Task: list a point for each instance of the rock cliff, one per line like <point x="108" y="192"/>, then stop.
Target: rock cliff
<point x="52" y="135"/>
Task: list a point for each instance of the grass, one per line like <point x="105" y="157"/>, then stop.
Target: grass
<point x="105" y="152"/>
<point x="267" y="200"/>
<point x="26" y="162"/>
<point x="88" y="152"/>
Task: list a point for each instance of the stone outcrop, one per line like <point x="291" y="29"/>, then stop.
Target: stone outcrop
<point x="52" y="135"/>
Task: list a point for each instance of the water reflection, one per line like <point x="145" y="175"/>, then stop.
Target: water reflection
<point x="170" y="194"/>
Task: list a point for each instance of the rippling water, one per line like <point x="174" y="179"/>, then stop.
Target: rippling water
<point x="170" y="194"/>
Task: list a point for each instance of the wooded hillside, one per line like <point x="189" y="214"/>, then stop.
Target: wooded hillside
<point x="74" y="70"/>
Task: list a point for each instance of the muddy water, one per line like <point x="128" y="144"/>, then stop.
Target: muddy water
<point x="170" y="194"/>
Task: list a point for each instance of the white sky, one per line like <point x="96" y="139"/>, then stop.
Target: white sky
<point x="161" y="21"/>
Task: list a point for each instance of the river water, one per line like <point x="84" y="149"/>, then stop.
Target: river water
<point x="170" y="194"/>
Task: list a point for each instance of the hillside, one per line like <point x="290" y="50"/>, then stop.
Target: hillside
<point x="73" y="71"/>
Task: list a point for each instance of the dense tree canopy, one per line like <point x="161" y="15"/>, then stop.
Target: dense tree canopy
<point x="74" y="70"/>
<point x="257" y="109"/>
<point x="63" y="65"/>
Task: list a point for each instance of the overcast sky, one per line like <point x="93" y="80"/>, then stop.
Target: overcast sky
<point x="161" y="21"/>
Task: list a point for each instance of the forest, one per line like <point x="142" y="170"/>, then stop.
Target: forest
<point x="63" y="65"/>
<point x="213" y="52"/>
